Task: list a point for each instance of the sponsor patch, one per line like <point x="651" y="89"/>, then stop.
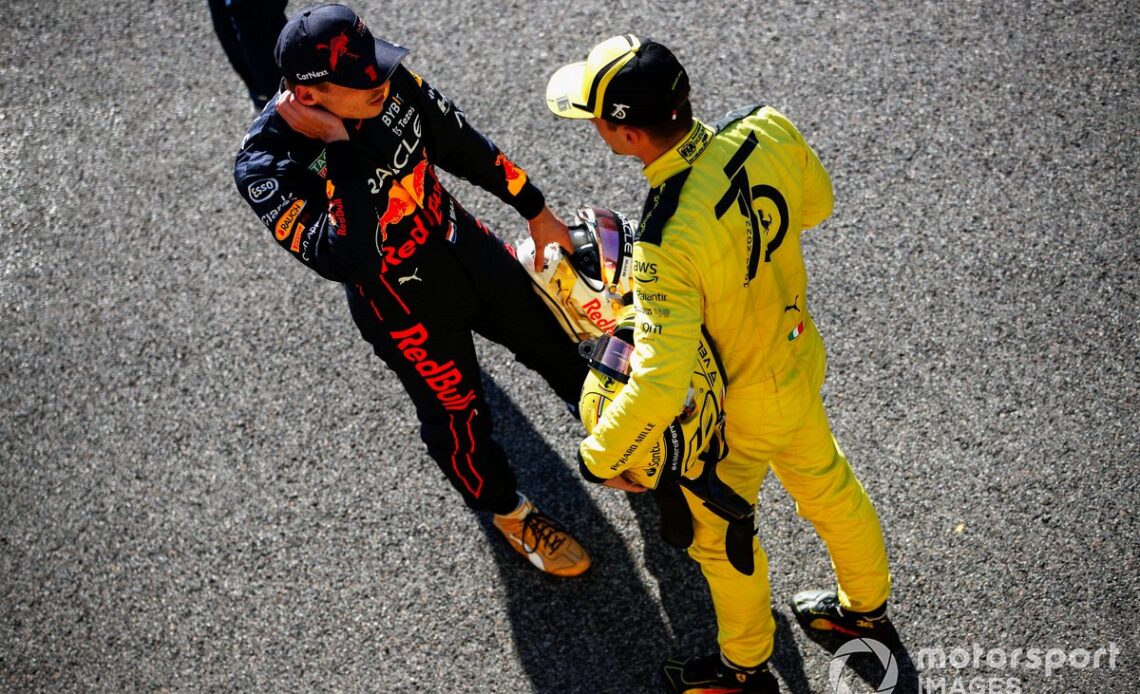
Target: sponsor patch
<point x="593" y="311"/>
<point x="287" y="220"/>
<point x="270" y="217"/>
<point x="295" y="246"/>
<point x="261" y="190"/>
<point x="692" y="147"/>
<point x="443" y="379"/>
<point x="320" y="164"/>
<point x="515" y="176"/>
<point x="652" y="296"/>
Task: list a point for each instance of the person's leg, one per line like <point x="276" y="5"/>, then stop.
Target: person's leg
<point x="809" y="464"/>
<point x="434" y="358"/>
<point x="438" y="369"/>
<point x="745" y="627"/>
<point x="819" y="477"/>
<point x="815" y="472"/>
<point x="227" y="36"/>
<point x="512" y="314"/>
<point x="742" y="602"/>
<point x="257" y="24"/>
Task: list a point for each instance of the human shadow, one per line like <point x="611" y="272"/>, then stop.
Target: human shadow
<point x="872" y="666"/>
<point x="598" y="632"/>
<point x="786" y="658"/>
<point x="684" y="593"/>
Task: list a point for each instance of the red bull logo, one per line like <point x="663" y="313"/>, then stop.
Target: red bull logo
<point x="515" y="176"/>
<point x="337" y="48"/>
<point x="409" y="199"/>
<point x="394" y="255"/>
<point x="336" y="215"/>
<point x="404" y="198"/>
<point x="400" y="205"/>
<point x="441" y="378"/>
<point x="415" y="181"/>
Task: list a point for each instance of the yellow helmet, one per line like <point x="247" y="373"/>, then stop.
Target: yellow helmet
<point x="586" y="289"/>
<point x="678" y="452"/>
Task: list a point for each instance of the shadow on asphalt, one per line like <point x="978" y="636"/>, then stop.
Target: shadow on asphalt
<point x="604" y="631"/>
<point x="868" y="666"/>
<point x="607" y="631"/>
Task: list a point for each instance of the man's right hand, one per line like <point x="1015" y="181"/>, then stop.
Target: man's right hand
<point x="310" y="121"/>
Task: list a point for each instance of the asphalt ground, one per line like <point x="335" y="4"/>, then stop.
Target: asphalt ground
<point x="207" y="483"/>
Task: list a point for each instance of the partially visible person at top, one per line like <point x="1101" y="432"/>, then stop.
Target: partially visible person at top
<point x="341" y="169"/>
<point x="719" y="246"/>
<point x="248" y="30"/>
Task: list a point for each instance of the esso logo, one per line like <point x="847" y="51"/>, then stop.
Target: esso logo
<point x="259" y="191"/>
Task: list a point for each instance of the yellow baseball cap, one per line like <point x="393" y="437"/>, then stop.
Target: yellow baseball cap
<point x="623" y="80"/>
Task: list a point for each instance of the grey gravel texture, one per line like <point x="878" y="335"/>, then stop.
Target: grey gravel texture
<point x="207" y="483"/>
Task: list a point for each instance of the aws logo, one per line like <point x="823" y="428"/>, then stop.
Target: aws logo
<point x="643" y="272"/>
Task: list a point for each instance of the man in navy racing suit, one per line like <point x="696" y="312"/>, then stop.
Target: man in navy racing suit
<point x="341" y="167"/>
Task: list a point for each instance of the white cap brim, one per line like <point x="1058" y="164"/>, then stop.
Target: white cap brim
<point x="565" y="90"/>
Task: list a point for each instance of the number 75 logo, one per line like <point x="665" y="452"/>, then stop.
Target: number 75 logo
<point x="748" y="198"/>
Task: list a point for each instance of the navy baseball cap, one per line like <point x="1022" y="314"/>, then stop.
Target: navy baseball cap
<point x="624" y="80"/>
<point x="329" y="43"/>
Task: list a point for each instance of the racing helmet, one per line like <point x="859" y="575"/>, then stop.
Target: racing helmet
<point x="697" y="431"/>
<point x="587" y="288"/>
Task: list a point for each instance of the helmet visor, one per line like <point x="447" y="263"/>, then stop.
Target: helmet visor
<point x="609" y="229"/>
<point x="609" y="355"/>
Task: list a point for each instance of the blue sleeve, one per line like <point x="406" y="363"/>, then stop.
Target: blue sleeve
<point x="327" y="224"/>
<point x="460" y="149"/>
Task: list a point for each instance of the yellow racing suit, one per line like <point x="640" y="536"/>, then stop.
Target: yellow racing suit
<point x="719" y="245"/>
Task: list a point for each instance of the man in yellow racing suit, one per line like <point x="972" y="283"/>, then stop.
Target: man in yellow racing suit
<point x="719" y="246"/>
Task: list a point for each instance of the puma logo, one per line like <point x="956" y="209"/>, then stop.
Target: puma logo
<point x="411" y="277"/>
<point x="786" y="308"/>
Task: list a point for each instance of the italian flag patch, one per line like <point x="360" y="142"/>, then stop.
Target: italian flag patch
<point x="796" y="332"/>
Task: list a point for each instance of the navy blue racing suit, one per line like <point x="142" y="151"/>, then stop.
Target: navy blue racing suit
<point x="419" y="271"/>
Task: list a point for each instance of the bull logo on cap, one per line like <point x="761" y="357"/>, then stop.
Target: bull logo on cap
<point x="337" y="48"/>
